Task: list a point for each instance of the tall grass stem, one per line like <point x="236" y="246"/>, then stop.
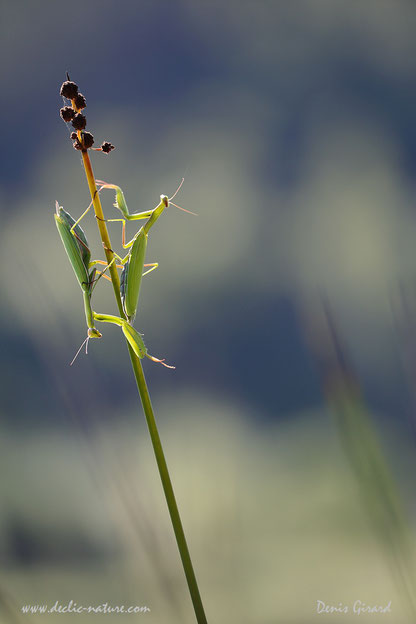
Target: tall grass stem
<point x="147" y="406"/>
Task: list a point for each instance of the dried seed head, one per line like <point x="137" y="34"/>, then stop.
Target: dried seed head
<point x="69" y="90"/>
<point x="80" y="101"/>
<point x="77" y="145"/>
<point x="106" y="147"/>
<point x="87" y="139"/>
<point x="67" y="113"/>
<point x="74" y="135"/>
<point x="79" y="121"/>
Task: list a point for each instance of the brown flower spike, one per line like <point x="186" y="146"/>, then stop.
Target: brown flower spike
<point x="81" y="140"/>
<point x="67" y="113"/>
<point x="106" y="147"/>
<point x="79" y="121"/>
<point x="69" y="90"/>
<point x="87" y="139"/>
<point x="80" y="101"/>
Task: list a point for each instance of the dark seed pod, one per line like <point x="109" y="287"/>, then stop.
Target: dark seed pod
<point x="67" y="113"/>
<point x="80" y="101"/>
<point x="69" y="90"/>
<point x="74" y="135"/>
<point x="79" y="121"/>
<point x="87" y="139"/>
<point x="77" y="145"/>
<point x="106" y="147"/>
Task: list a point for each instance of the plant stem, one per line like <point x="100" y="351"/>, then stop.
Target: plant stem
<point x="168" y="489"/>
<point x="147" y="407"/>
<point x="102" y="226"/>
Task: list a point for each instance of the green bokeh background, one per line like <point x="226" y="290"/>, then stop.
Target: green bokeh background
<point x="293" y="125"/>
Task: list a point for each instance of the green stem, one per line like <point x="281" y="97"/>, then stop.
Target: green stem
<point x="168" y="489"/>
<point x="147" y="408"/>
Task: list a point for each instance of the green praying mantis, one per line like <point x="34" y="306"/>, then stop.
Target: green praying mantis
<point x="78" y="252"/>
<point x="133" y="263"/>
<point x="77" y="249"/>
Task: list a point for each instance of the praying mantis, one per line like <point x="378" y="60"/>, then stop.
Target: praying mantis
<point x="76" y="246"/>
<point x="78" y="252"/>
<point x="133" y="263"/>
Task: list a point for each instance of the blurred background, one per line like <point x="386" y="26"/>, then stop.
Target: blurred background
<point x="287" y="307"/>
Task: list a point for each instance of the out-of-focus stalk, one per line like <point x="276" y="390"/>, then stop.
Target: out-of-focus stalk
<point x="376" y="485"/>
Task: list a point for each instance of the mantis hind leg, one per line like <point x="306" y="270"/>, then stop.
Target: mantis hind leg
<point x="123" y="233"/>
<point x="97" y="191"/>
<point x="101" y="274"/>
<point x="153" y="266"/>
<point x="119" y="266"/>
<point x="94" y="280"/>
<point x="80" y="219"/>
<point x="84" y="213"/>
<point x="158" y="360"/>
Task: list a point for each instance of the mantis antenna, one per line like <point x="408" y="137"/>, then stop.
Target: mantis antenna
<point x="86" y="349"/>
<point x="176" y="205"/>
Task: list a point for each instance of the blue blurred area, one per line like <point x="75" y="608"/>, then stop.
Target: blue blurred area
<point x="300" y="68"/>
<point x="293" y="125"/>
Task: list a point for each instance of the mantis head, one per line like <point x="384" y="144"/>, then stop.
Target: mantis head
<point x="93" y="333"/>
